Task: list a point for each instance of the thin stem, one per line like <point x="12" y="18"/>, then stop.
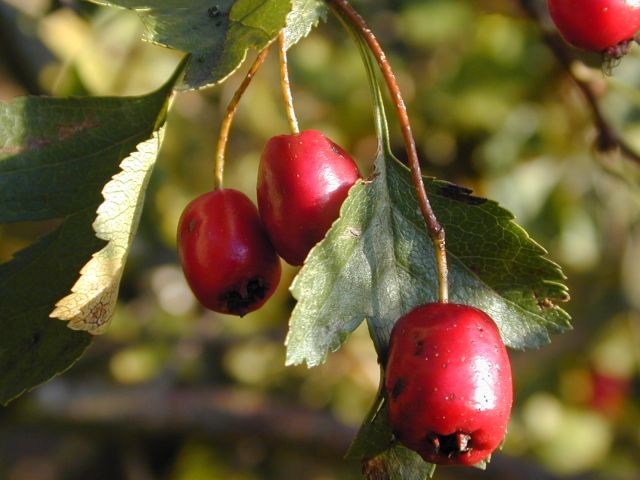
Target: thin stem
<point x="436" y="232"/>
<point x="225" y="126"/>
<point x="608" y="137"/>
<point x="286" y="86"/>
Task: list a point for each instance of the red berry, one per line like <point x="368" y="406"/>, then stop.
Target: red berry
<point x="608" y="393"/>
<point x="226" y="255"/>
<point x="596" y="25"/>
<point x="448" y="383"/>
<point x="302" y="181"/>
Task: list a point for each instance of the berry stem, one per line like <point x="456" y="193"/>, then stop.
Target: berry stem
<point x="286" y="86"/>
<point x="225" y="126"/>
<point x="435" y="230"/>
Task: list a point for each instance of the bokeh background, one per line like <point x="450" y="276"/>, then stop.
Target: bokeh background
<point x="178" y="393"/>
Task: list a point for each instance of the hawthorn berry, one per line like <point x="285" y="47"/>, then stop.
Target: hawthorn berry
<point x="303" y="179"/>
<point x="597" y="25"/>
<point x="448" y="383"/>
<point x="227" y="258"/>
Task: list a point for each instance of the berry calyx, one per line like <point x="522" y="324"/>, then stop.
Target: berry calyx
<point x="227" y="258"/>
<point x="597" y="25"/>
<point x="448" y="383"/>
<point x="303" y="179"/>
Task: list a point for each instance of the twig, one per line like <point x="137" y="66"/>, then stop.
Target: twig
<point x="216" y="412"/>
<point x="608" y="138"/>
<point x="223" y="135"/>
<point x="436" y="232"/>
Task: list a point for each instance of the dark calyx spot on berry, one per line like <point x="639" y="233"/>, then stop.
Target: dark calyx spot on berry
<point x="451" y="445"/>
<point x="398" y="387"/>
<point x="240" y="300"/>
<point x="619" y="50"/>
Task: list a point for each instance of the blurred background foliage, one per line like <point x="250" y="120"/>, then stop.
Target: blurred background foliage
<point x="175" y="392"/>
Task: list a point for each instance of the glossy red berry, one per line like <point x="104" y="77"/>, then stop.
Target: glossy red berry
<point x="302" y="181"/>
<point x="227" y="258"/>
<point x="596" y="25"/>
<point x="448" y="383"/>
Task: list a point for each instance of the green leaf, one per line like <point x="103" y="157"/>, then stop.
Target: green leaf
<point x="303" y="17"/>
<point x="217" y="33"/>
<point x="377" y="263"/>
<point x="56" y="156"/>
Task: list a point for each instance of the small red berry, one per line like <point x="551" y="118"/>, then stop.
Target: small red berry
<point x="227" y="258"/>
<point x="608" y="393"/>
<point x="302" y="181"/>
<point x="597" y="25"/>
<point x="448" y="383"/>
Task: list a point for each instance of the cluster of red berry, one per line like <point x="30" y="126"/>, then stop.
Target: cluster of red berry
<point x="448" y="375"/>
<point x="229" y="249"/>
<point x="447" y="380"/>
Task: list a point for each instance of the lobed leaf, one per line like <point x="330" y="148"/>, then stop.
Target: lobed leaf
<point x="377" y="263"/>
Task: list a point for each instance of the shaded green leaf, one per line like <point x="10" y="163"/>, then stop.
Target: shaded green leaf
<point x="217" y="33"/>
<point x="378" y="263"/>
<point x="56" y="156"/>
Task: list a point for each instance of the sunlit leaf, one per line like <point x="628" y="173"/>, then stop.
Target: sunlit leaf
<point x="304" y="15"/>
<point x="91" y="304"/>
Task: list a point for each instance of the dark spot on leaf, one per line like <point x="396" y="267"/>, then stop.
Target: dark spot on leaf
<point x="214" y="11"/>
<point x="200" y="59"/>
<point x="398" y="387"/>
<point x="461" y="194"/>
<point x="240" y="299"/>
<point x="451" y="445"/>
<point x="35" y="338"/>
<point x="218" y="23"/>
